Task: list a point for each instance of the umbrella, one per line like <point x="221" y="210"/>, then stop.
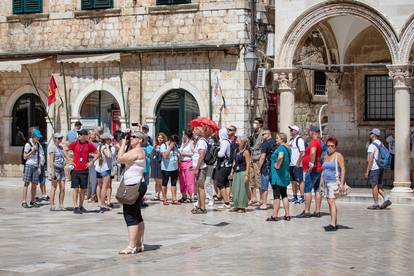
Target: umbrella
<point x="204" y="122"/>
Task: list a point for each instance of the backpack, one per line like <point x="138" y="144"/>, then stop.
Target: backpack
<point x="22" y="154"/>
<point x="297" y="143"/>
<point x="211" y="154"/>
<point x="384" y="156"/>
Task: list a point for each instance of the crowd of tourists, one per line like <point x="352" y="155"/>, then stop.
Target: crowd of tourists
<point x="211" y="165"/>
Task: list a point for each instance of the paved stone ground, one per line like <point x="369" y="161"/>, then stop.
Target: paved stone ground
<point x="62" y="243"/>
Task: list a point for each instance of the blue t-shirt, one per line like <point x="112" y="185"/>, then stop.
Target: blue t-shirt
<point x="170" y="163"/>
<point x="71" y="136"/>
<point x="148" y="150"/>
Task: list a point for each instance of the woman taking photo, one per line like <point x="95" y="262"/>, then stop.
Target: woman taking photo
<point x="57" y="171"/>
<point x="187" y="179"/>
<point x="103" y="168"/>
<point x="280" y="176"/>
<point x="169" y="168"/>
<point x="333" y="172"/>
<point x="156" y="159"/>
<point x="241" y="171"/>
<point x="134" y="160"/>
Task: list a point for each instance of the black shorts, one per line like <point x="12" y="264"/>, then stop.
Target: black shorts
<point x="279" y="192"/>
<point x="132" y="213"/>
<point x="166" y="175"/>
<point x="296" y="174"/>
<point x="80" y="179"/>
<point x="222" y="177"/>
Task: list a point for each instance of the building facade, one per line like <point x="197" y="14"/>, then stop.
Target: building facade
<point x="121" y="62"/>
<point x="362" y="52"/>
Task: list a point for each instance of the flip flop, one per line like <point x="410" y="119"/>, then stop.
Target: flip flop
<point x="128" y="251"/>
<point x="272" y="218"/>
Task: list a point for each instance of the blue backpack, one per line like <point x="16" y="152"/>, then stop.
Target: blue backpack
<point x="384" y="156"/>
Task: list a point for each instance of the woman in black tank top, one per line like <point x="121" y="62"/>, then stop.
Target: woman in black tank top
<point x="241" y="174"/>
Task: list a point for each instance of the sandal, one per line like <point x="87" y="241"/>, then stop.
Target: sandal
<point x="182" y="200"/>
<point x="25" y="205"/>
<point x="287" y="218"/>
<point x="140" y="249"/>
<point x="199" y="211"/>
<point x="128" y="251"/>
<point x="272" y="218"/>
<point x="234" y="210"/>
<point x="194" y="209"/>
<point x="188" y="200"/>
<point x="175" y="202"/>
<point x="165" y="203"/>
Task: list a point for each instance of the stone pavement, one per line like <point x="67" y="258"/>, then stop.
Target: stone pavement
<point x="62" y="243"/>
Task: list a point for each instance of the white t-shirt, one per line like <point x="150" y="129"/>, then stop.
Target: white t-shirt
<point x="187" y="148"/>
<point x="373" y="149"/>
<point x="294" y="143"/>
<point x="391" y="144"/>
<point x="32" y="160"/>
<point x="200" y="145"/>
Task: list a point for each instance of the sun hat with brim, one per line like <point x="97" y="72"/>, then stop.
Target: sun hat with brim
<point x="375" y="131"/>
<point x="57" y="135"/>
<point x="294" y="127"/>
<point x="83" y="132"/>
<point x="37" y="133"/>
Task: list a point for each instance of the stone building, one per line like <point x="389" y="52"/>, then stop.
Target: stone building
<point x="356" y="57"/>
<point x="120" y="62"/>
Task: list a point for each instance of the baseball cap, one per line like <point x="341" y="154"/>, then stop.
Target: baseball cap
<point x="375" y="131"/>
<point x="83" y="132"/>
<point x="145" y="126"/>
<point x="106" y="136"/>
<point x="294" y="127"/>
<point x="57" y="135"/>
<point x="37" y="133"/>
<point x="314" y="129"/>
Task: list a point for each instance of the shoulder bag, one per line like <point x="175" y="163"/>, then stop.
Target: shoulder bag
<point x="347" y="189"/>
<point x="127" y="194"/>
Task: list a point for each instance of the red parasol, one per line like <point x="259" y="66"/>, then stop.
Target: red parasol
<point x="204" y="122"/>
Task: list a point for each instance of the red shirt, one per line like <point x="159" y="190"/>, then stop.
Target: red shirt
<point x="315" y="143"/>
<point x="81" y="153"/>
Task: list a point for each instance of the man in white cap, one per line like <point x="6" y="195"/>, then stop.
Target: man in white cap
<point x="297" y="145"/>
<point x="374" y="172"/>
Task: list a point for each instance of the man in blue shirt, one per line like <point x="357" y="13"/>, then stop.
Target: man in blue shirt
<point x="73" y="134"/>
<point x="145" y="129"/>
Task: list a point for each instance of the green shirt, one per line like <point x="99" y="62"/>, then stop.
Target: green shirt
<point x="281" y="176"/>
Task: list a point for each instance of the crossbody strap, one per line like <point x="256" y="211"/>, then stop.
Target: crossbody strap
<point x="336" y="167"/>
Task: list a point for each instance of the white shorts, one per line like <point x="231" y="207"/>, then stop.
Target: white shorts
<point x="330" y="189"/>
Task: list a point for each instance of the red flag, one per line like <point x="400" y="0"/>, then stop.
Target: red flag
<point x="51" y="98"/>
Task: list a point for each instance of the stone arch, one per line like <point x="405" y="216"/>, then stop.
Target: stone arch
<point x="407" y="40"/>
<point x="96" y="86"/>
<point x="324" y="11"/>
<point x="178" y="84"/>
<point x="27" y="89"/>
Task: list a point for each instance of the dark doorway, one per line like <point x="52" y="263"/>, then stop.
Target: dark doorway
<point x="174" y="112"/>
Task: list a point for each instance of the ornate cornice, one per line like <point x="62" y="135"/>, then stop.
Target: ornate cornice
<point x="333" y="79"/>
<point x="401" y="74"/>
<point x="286" y="78"/>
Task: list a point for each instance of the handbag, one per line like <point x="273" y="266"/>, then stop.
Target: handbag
<point x="347" y="189"/>
<point x="127" y="194"/>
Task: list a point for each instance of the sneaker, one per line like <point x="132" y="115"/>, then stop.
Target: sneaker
<point x="293" y="199"/>
<point x="77" y="210"/>
<point x="316" y="214"/>
<point x="224" y="206"/>
<point x="210" y="203"/>
<point x="330" y="228"/>
<point x="25" y="205"/>
<point x="102" y="210"/>
<point x="304" y="215"/>
<point x="34" y="204"/>
<point x="300" y="200"/>
<point x="374" y="207"/>
<point x="45" y="198"/>
<point x="83" y="210"/>
<point x="386" y="204"/>
<point x="60" y="209"/>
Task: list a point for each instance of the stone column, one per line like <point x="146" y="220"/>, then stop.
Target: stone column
<point x="401" y="76"/>
<point x="285" y="79"/>
<point x="333" y="80"/>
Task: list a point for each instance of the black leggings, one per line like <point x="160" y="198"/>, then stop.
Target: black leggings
<point x="279" y="192"/>
<point x="166" y="175"/>
<point x="132" y="213"/>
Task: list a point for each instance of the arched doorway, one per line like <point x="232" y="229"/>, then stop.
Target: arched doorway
<point x="100" y="108"/>
<point x="174" y="112"/>
<point x="28" y="112"/>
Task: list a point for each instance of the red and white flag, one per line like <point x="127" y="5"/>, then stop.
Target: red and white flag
<point x="51" y="98"/>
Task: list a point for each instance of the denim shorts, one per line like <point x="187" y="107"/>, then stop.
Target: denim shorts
<point x="375" y="178"/>
<point x="312" y="181"/>
<point x="103" y="174"/>
<point x="296" y="174"/>
<point x="264" y="182"/>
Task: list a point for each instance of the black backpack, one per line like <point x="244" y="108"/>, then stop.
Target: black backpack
<point x="22" y="154"/>
<point x="211" y="154"/>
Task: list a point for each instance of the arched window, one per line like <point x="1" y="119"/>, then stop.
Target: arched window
<point x="28" y="111"/>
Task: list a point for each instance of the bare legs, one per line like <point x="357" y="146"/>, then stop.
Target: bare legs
<point x="158" y="184"/>
<point x="308" y="201"/>
<point x="276" y="207"/>
<point x="332" y="211"/>
<point x="201" y="196"/>
<point x="61" y="193"/>
<point x="263" y="198"/>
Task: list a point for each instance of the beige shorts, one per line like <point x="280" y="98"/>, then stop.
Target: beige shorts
<point x="254" y="181"/>
<point x="201" y="178"/>
<point x="330" y="189"/>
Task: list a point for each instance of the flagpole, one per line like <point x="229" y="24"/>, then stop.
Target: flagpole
<point x="62" y="68"/>
<point x="210" y="90"/>
<point x="38" y="93"/>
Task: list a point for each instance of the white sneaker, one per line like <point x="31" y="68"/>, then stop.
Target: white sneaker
<point x="224" y="206"/>
<point x="211" y="202"/>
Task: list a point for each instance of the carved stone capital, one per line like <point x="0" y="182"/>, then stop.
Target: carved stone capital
<point x="333" y="79"/>
<point x="400" y="74"/>
<point x="286" y="78"/>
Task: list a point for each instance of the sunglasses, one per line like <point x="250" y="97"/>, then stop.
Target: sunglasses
<point x="331" y="146"/>
<point x="230" y="129"/>
<point x="134" y="136"/>
<point x="60" y="138"/>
